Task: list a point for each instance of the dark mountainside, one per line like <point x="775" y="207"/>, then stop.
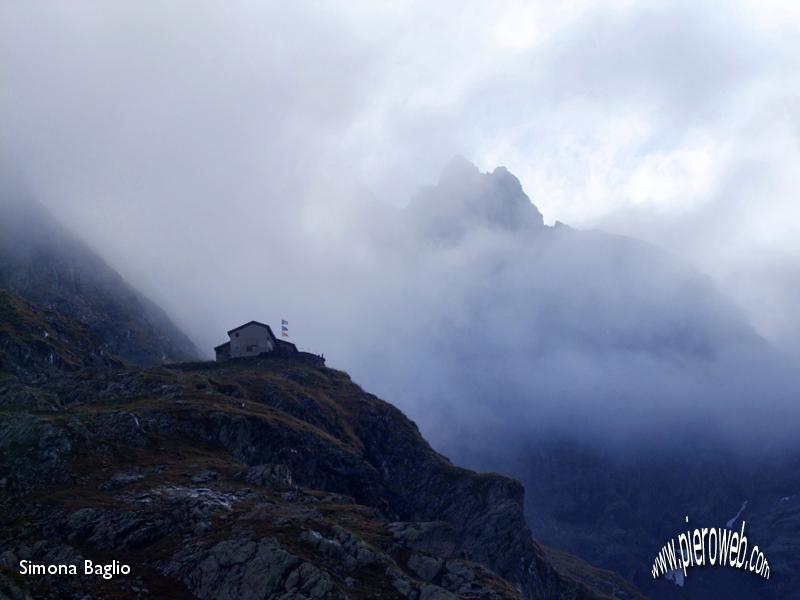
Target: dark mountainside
<point x="44" y="263"/>
<point x="262" y="478"/>
<point x="617" y="512"/>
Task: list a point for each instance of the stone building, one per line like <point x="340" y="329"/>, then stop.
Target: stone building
<point x="252" y="339"/>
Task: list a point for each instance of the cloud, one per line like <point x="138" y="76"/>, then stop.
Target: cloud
<point x="253" y="161"/>
<point x="499" y="335"/>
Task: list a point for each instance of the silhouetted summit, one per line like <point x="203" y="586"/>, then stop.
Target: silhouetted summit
<point x="465" y="199"/>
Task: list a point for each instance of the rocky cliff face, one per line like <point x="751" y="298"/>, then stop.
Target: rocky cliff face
<point x="44" y="263"/>
<point x="265" y="478"/>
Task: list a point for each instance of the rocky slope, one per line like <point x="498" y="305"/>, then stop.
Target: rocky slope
<point x="616" y="512"/>
<point x="267" y="478"/>
<point x="46" y="264"/>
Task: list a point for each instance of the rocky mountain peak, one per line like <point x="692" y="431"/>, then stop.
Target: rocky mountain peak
<point x="464" y="199"/>
<point x="458" y="169"/>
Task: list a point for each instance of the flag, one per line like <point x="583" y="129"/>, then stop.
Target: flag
<point x="284" y="328"/>
<point x="284" y="334"/>
<point x="284" y="322"/>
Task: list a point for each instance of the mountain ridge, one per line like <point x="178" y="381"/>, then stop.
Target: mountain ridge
<point x="42" y="261"/>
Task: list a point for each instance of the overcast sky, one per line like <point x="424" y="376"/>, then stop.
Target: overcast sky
<point x="158" y="129"/>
